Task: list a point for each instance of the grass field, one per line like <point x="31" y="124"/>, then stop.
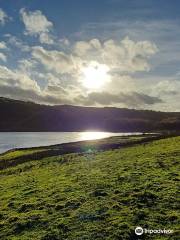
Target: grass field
<point x="95" y="194"/>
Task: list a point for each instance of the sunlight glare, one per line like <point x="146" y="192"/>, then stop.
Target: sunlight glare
<point x="93" y="135"/>
<point x="95" y="75"/>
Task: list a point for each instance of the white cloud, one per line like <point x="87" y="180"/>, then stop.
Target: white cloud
<point x="3" y="17"/>
<point x="64" y="42"/>
<point x="37" y="24"/>
<point x="124" y="56"/>
<point x="3" y="45"/>
<point x="27" y="65"/>
<point x="168" y="87"/>
<point x="54" y="60"/>
<point x="16" y="42"/>
<point x="46" y="38"/>
<point x="3" y="57"/>
<point x="18" y="85"/>
<point x="121" y="58"/>
<point x="52" y="80"/>
<point x="81" y="48"/>
<point x="16" y="78"/>
<point x="61" y="81"/>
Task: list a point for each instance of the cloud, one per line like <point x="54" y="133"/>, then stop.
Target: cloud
<point x="81" y="48"/>
<point x="18" y="85"/>
<point x="168" y="90"/>
<point x="16" y="78"/>
<point x="132" y="99"/>
<point x="36" y="24"/>
<point x="60" y="79"/>
<point x="167" y="87"/>
<point x="125" y="55"/>
<point x="56" y="74"/>
<point x="27" y="65"/>
<point x="52" y="80"/>
<point x="56" y="89"/>
<point x="3" y="45"/>
<point x="54" y="60"/>
<point x="122" y="59"/>
<point x="3" y="17"/>
<point x="45" y="38"/>
<point x="16" y="42"/>
<point x="64" y="42"/>
<point x="3" y="57"/>
<point x="30" y="95"/>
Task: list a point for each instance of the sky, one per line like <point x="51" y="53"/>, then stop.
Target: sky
<point x="120" y="53"/>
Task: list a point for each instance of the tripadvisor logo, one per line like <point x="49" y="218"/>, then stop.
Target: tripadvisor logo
<point x="139" y="231"/>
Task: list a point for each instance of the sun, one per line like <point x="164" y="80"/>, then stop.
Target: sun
<point x="95" y="75"/>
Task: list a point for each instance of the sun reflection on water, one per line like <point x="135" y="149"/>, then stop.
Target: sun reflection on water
<point x="93" y="135"/>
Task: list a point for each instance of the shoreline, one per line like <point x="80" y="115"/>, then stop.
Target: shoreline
<point x="73" y="142"/>
<point x="122" y="134"/>
<point x="88" y="146"/>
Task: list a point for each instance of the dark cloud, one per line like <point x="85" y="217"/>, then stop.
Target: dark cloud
<point x="53" y="88"/>
<point x="132" y="99"/>
<point x="169" y="92"/>
<point x="31" y="95"/>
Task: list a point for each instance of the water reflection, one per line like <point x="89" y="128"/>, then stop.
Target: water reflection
<point x="34" y="139"/>
<point x="93" y="135"/>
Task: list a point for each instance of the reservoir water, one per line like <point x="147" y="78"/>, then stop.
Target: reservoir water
<point x="10" y="140"/>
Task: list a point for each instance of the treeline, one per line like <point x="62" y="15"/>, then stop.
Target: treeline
<point x="26" y="116"/>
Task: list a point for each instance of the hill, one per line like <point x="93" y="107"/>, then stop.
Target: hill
<point x="26" y="116"/>
<point x="92" y="194"/>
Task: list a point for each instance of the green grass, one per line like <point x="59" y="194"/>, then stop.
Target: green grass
<point x="18" y="153"/>
<point x="95" y="195"/>
<point x="19" y="156"/>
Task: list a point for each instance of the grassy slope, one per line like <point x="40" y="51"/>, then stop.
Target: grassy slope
<point x="18" y="156"/>
<point x="102" y="195"/>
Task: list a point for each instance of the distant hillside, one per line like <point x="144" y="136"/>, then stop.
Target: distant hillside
<point x="26" y="116"/>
